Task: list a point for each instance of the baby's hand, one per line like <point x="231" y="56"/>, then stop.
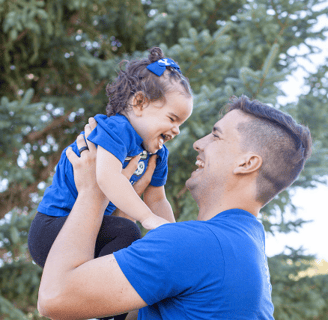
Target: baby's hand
<point x="153" y="222"/>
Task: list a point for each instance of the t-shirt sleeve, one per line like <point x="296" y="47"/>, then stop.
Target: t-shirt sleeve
<point x="160" y="174"/>
<point x="116" y="137"/>
<point x="163" y="264"/>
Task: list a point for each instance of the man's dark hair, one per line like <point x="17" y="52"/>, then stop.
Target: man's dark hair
<point x="283" y="145"/>
<point x="137" y="78"/>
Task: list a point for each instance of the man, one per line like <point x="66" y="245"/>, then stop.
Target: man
<point x="212" y="268"/>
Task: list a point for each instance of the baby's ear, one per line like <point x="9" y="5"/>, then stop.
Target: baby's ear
<point x="138" y="103"/>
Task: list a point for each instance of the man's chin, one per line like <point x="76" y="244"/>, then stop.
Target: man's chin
<point x="189" y="184"/>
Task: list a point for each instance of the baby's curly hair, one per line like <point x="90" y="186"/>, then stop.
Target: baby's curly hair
<point x="137" y="78"/>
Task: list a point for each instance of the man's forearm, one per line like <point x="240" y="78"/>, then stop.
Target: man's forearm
<point x="74" y="244"/>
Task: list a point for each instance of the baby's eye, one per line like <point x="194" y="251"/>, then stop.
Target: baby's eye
<point x="171" y="119"/>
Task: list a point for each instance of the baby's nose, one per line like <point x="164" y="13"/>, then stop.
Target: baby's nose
<point x="176" y="130"/>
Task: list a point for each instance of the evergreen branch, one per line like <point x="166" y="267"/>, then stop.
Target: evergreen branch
<point x="6" y="307"/>
<point x="98" y="88"/>
<point x="60" y="120"/>
<point x="201" y="53"/>
<point x="283" y="27"/>
<point x="52" y="126"/>
<point x="19" y="37"/>
<point x="14" y="87"/>
<point x="213" y="15"/>
<point x="276" y="15"/>
<point x="18" y="196"/>
<point x="280" y="32"/>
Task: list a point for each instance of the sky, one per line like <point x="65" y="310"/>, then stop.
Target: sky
<point x="312" y="203"/>
<point x="313" y="236"/>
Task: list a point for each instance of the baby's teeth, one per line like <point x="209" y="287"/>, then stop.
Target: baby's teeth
<point x="161" y="142"/>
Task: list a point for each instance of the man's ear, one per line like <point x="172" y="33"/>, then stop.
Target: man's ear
<point x="248" y="163"/>
<point x="138" y="103"/>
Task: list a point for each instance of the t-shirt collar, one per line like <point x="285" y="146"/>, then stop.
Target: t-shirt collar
<point x="235" y="211"/>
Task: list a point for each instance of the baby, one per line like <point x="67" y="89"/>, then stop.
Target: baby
<point x="148" y="102"/>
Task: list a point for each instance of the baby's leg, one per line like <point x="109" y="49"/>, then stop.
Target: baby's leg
<point x="43" y="232"/>
<point x="115" y="233"/>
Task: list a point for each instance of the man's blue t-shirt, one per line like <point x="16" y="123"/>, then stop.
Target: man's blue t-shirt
<point x="215" y="269"/>
<point x="116" y="135"/>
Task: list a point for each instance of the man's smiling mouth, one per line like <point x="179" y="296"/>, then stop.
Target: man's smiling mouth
<point x="200" y="164"/>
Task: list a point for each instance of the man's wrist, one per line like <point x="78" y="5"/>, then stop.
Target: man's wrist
<point x="93" y="196"/>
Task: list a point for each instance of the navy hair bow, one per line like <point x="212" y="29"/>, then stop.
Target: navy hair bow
<point x="158" y="67"/>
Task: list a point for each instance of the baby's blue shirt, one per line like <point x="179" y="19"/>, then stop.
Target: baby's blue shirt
<point x="117" y="136"/>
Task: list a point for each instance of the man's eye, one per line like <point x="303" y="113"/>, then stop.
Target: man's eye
<point x="216" y="136"/>
<point x="171" y="119"/>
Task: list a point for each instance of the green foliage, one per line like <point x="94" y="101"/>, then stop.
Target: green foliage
<point x="9" y="311"/>
<point x="16" y="120"/>
<point x="57" y="57"/>
<point x="296" y="297"/>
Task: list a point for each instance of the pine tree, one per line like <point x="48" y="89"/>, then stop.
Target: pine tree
<point x="56" y="59"/>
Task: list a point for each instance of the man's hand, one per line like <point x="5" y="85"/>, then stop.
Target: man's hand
<point x="129" y="170"/>
<point x="141" y="185"/>
<point x="85" y="171"/>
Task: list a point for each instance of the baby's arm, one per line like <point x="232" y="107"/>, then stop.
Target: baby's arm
<point x="155" y="199"/>
<point x="119" y="190"/>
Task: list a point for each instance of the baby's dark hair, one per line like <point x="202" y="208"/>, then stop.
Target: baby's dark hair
<point x="137" y="78"/>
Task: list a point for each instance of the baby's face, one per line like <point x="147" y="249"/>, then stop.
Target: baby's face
<point x="160" y="121"/>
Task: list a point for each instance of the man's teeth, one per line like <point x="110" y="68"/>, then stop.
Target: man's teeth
<point x="200" y="164"/>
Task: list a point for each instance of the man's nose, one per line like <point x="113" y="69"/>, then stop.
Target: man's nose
<point x="200" y="144"/>
<point x="197" y="145"/>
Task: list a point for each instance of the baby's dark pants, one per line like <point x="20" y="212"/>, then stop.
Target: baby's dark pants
<point x="115" y="233"/>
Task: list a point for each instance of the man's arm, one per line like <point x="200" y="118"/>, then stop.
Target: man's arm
<point x="74" y="285"/>
<point x="155" y="199"/>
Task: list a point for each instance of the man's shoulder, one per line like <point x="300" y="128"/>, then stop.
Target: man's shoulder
<point x="172" y="244"/>
<point x="182" y="232"/>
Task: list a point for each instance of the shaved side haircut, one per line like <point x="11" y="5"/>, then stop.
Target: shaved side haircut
<point x="274" y="135"/>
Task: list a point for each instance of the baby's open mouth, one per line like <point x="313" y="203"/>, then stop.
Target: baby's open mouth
<point x="163" y="138"/>
<point x="166" y="137"/>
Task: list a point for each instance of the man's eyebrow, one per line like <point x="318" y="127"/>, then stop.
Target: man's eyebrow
<point x="174" y="115"/>
<point x="217" y="129"/>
